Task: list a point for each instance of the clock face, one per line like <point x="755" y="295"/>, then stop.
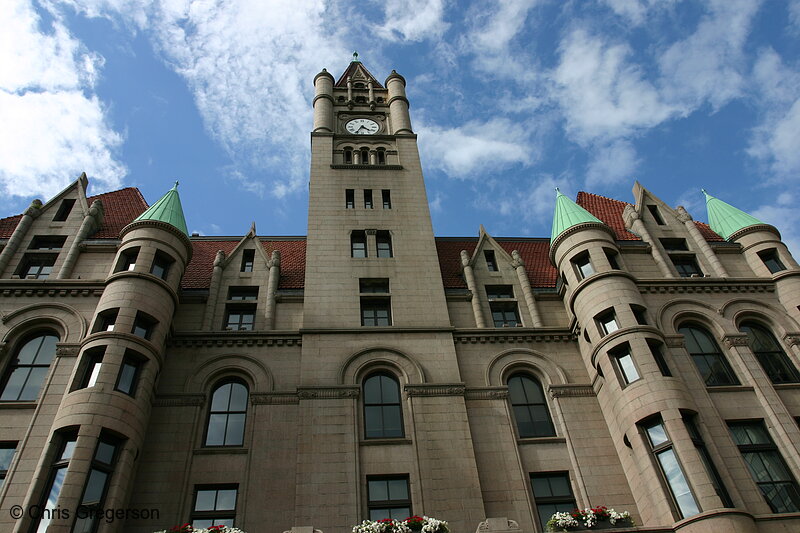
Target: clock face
<point x="362" y="126"/>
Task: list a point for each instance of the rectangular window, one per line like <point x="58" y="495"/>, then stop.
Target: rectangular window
<point x="97" y="484"/>
<point x="242" y="293"/>
<point x="248" y="258"/>
<point x="624" y="364"/>
<point x="674" y="245"/>
<point x="383" y="240"/>
<point x="375" y="310"/>
<point x="505" y="314"/>
<point x="93" y="366"/>
<point x="607" y="322"/>
<point x="613" y="258"/>
<point x="552" y="493"/>
<point x="161" y="264"/>
<point x="358" y="244"/>
<point x="671" y="471"/>
<point x="129" y="372"/>
<point x="772" y="260"/>
<point x="35" y="266"/>
<point x="656" y="215"/>
<point x="57" y="474"/>
<point x="766" y="465"/>
<point x="388" y="497"/>
<point x="367" y="198"/>
<point x="240" y="317"/>
<point x="127" y="260"/>
<point x="656" y="348"/>
<point x="639" y="314"/>
<point x="386" y="195"/>
<point x="686" y="265"/>
<point x="583" y="266"/>
<point x="64" y="210"/>
<point x="499" y="291"/>
<point x="143" y="325"/>
<point x="349" y="198"/>
<point x="713" y="473"/>
<point x="106" y="320"/>
<point x="7" y="451"/>
<point x="491" y="262"/>
<point x="51" y="243"/>
<point x="214" y="505"/>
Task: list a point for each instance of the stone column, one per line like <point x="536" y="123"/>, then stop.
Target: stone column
<point x="635" y="224"/>
<point x="33" y="211"/>
<point x="274" y="265"/>
<point x="213" y="289"/>
<point x="522" y="274"/>
<point x="700" y="241"/>
<point x="323" y="102"/>
<point x="90" y="222"/>
<point x="469" y="276"/>
<point x="398" y="104"/>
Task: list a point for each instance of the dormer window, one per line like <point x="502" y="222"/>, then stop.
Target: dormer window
<point x="248" y="258"/>
<point x="64" y="210"/>
<point x="656" y="215"/>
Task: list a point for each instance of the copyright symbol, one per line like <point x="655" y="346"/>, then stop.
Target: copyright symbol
<point x="17" y="512"/>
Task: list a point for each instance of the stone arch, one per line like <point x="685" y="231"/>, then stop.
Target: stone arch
<point x="361" y="363"/>
<point x="672" y="314"/>
<point x="507" y="362"/>
<point x="65" y="319"/>
<point x="741" y="309"/>
<point x="253" y="372"/>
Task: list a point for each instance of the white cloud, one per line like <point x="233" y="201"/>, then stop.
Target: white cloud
<point x="413" y="20"/>
<point x="500" y="23"/>
<point x="612" y="163"/>
<point x="709" y="64"/>
<point x="785" y="216"/>
<point x="535" y="204"/>
<point x="633" y="10"/>
<point x="602" y="95"/>
<point x="794" y="13"/>
<point x="55" y="127"/>
<point x="475" y="147"/>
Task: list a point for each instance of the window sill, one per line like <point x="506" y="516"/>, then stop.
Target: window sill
<point x="385" y="442"/>
<point x="729" y="388"/>
<point x="367" y="167"/>
<point x="786" y="386"/>
<point x="220" y="450"/>
<point x="541" y="440"/>
<point x="18" y="405"/>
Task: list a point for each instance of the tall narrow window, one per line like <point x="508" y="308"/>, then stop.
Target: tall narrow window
<point x="375" y="302"/>
<point x="386" y="196"/>
<point x="766" y="465"/>
<point x="161" y="264"/>
<point x="656" y="348"/>
<point x="94" y="362"/>
<point x="64" y="210"/>
<point x="623" y="362"/>
<point x="358" y="244"/>
<point x="94" y="493"/>
<point x="772" y="260"/>
<point x="583" y="266"/>
<point x="708" y="358"/>
<point x="127" y="260"/>
<point x="58" y="472"/>
<point x="129" y="372"/>
<point x="607" y="322"/>
<point x="248" y="258"/>
<point x="214" y="505"/>
<point x="671" y="470"/>
<point x="388" y="497"/>
<point x="381" y="155"/>
<point x="639" y="313"/>
<point x="491" y="262"/>
<point x="348" y="156"/>
<point x="552" y="494"/>
<point x="383" y="413"/>
<point x="769" y="353"/>
<point x="349" y="199"/>
<point x="530" y="407"/>
<point x="383" y="241"/>
<point x="367" y="198"/>
<point x="364" y="156"/>
<point x="713" y="473"/>
<point x="613" y="258"/>
<point x="28" y="369"/>
<point x="656" y="215"/>
<point x="227" y="415"/>
<point x="7" y="451"/>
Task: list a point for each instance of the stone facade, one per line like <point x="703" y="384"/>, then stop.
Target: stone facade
<point x="638" y="361"/>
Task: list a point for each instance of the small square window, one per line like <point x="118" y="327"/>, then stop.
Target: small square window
<point x="494" y="292"/>
<point x="607" y="322"/>
<point x="656" y="215"/>
<point x="144" y="325"/>
<point x="491" y="262"/>
<point x="214" y="506"/>
<point x="127" y="260"/>
<point x="161" y="264"/>
<point x="505" y="314"/>
<point x="248" y="258"/>
<point x="674" y="245"/>
<point x="772" y="260"/>
<point x="106" y="320"/>
<point x="35" y="266"/>
<point x="373" y="285"/>
<point x="686" y="266"/>
<point x="388" y="497"/>
<point x="7" y="451"/>
<point x="240" y="317"/>
<point x="583" y="266"/>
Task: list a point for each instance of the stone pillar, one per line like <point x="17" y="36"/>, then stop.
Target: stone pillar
<point x="701" y="242"/>
<point x="635" y="224"/>
<point x="522" y="274"/>
<point x="90" y="222"/>
<point x="323" y="102"/>
<point x="349" y="90"/>
<point x="33" y="211"/>
<point x="398" y="104"/>
<point x="213" y="290"/>
<point x="357" y="156"/>
<point x="274" y="265"/>
<point x="469" y="276"/>
<point x="371" y="95"/>
<point x="373" y="157"/>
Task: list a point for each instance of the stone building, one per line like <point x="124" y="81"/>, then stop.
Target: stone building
<point x="637" y="359"/>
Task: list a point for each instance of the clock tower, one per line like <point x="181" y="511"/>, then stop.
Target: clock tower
<point x="374" y="308"/>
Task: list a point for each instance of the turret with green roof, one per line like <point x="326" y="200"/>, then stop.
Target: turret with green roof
<point x="726" y="219"/>
<point x="568" y="214"/>
<point x="168" y="209"/>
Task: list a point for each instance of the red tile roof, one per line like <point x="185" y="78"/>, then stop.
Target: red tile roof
<point x="120" y="208"/>
<point x="609" y="211"/>
<point x="293" y="261"/>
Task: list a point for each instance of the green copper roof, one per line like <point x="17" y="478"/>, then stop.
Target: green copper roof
<point x="568" y="214"/>
<point x="168" y="209"/>
<point x="726" y="219"/>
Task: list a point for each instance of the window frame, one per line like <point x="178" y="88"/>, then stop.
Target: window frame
<point x="776" y="363"/>
<point x="227" y="413"/>
<point x="349" y="198"/>
<point x="491" y="260"/>
<point x="248" y="260"/>
<point x="214" y="514"/>
<point x="144" y="322"/>
<point x="64" y="209"/>
<point x="368" y="202"/>
<point x="505" y="307"/>
<point x="43" y="264"/>
<point x="94" y="364"/>
<point x="383" y="405"/>
<point x="772" y="260"/>
<point x="697" y="439"/>
<point x="358" y="244"/>
<point x="13" y="365"/>
<point x="604" y="319"/>
<point x="65" y="442"/>
<point x="389" y="504"/>
<point x="161" y="261"/>
<point x="383" y="244"/>
<point x="127" y="259"/>
<point x="5" y="466"/>
<point x="91" y="521"/>
<point x="721" y="362"/>
<point x="551" y="500"/>
<point x="624" y="365"/>
<point x="530" y="407"/>
<point x="243" y="311"/>
<point x="582" y="265"/>
<point x="133" y="360"/>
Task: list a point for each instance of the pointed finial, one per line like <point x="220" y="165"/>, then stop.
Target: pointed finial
<point x="355" y="57"/>
<point x="558" y="192"/>
<point x="176" y="184"/>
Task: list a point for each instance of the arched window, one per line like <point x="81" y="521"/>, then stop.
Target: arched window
<point x="365" y="156"/>
<point x="770" y="354"/>
<point x="227" y="415"/>
<point x="28" y="368"/>
<point x="383" y="414"/>
<point x="348" y="156"/>
<point x="381" y="155"/>
<point x="707" y="356"/>
<point x="530" y="407"/>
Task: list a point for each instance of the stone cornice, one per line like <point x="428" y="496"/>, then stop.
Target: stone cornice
<point x="705" y="285"/>
<point x="215" y="339"/>
<point x="486" y="393"/>
<point x="163" y="226"/>
<point x="367" y="167"/>
<point x="179" y="400"/>
<point x="274" y="398"/>
<point x="512" y="335"/>
<point x="571" y="390"/>
<point x="52" y="288"/>
<point x="586" y="282"/>
<point x="435" y="389"/>
<point x="146" y="276"/>
<point x="575" y="229"/>
<point x="752" y="229"/>
<point x="336" y="392"/>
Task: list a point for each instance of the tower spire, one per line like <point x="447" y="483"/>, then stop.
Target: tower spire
<point x="726" y="219"/>
<point x="168" y="209"/>
<point x="568" y="214"/>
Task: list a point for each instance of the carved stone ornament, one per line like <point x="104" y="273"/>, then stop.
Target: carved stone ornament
<point x="682" y="214"/>
<point x="560" y="391"/>
<point x="792" y="339"/>
<point x="273" y="398"/>
<point x="327" y="393"/>
<point x="675" y="341"/>
<point x="496" y="525"/>
<point x="486" y="393"/>
<point x="67" y="350"/>
<point x="180" y="400"/>
<point x="629" y="215"/>
<point x="735" y="340"/>
<point x="442" y="389"/>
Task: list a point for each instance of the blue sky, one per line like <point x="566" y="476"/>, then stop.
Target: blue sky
<point x="509" y="98"/>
